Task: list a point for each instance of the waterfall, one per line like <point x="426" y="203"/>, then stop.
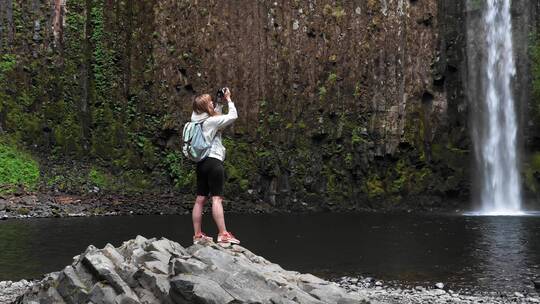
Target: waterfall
<point x="496" y="124"/>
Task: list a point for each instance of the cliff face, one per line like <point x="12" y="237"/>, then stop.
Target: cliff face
<point x="306" y="60"/>
<point x="351" y="104"/>
<point x="341" y="86"/>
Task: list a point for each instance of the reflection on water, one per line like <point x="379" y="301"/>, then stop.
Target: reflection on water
<point x="16" y="237"/>
<point x="491" y="252"/>
<point x="494" y="213"/>
<point x="505" y="239"/>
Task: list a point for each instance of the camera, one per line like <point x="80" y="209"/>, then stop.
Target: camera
<point x="221" y="92"/>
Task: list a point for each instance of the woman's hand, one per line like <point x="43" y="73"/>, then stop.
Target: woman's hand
<point x="227" y="95"/>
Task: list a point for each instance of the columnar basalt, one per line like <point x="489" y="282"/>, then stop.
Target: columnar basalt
<point x="369" y="95"/>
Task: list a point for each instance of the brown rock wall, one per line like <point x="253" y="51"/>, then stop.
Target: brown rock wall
<point x="371" y="58"/>
<point x="342" y="101"/>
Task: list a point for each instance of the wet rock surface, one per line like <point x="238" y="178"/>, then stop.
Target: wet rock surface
<point x="9" y="290"/>
<point x="376" y="291"/>
<point x="162" y="271"/>
<point x="62" y="205"/>
<point x="371" y="290"/>
<point x="43" y="205"/>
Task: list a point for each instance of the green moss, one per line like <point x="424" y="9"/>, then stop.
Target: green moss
<point x="422" y="179"/>
<point x="17" y="168"/>
<point x="331" y="184"/>
<point x="23" y="211"/>
<point x="338" y="12"/>
<point x="331" y="80"/>
<point x="99" y="178"/>
<point x="7" y="63"/>
<point x="42" y="103"/>
<point x="235" y="176"/>
<point x="103" y="137"/>
<point x="149" y="153"/>
<point x="403" y="175"/>
<point x="240" y="165"/>
<point x="349" y="160"/>
<point x="68" y="136"/>
<point x="135" y="181"/>
<point x="104" y="68"/>
<point x="534" y="51"/>
<point x="535" y="162"/>
<point x="453" y="157"/>
<point x="475" y="4"/>
<point x="98" y="211"/>
<point x="180" y="171"/>
<point x="335" y="11"/>
<point x="322" y="92"/>
<point x="356" y="136"/>
<point x="357" y="90"/>
<point x="374" y="187"/>
<point x="532" y="173"/>
<point x="82" y="179"/>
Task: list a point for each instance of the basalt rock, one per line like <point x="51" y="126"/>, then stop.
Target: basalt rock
<point x="162" y="271"/>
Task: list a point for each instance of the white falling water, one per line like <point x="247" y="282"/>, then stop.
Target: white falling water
<point x="500" y="187"/>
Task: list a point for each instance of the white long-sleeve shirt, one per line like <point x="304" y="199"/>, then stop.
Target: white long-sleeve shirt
<point x="212" y="127"/>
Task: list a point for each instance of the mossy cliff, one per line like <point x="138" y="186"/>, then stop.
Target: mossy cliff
<point x="341" y="104"/>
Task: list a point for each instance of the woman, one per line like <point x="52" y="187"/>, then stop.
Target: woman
<point x="210" y="172"/>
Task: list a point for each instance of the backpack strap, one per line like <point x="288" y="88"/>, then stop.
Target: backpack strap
<point x="202" y="121"/>
<point x="195" y="123"/>
<point x="187" y="134"/>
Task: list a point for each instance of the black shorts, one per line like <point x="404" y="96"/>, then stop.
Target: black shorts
<point x="210" y="177"/>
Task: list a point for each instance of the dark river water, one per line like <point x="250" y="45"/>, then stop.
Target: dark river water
<point x="488" y="253"/>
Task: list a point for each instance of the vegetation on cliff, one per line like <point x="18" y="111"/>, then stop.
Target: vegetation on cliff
<point x="17" y="168"/>
<point x="532" y="163"/>
<point x="343" y="126"/>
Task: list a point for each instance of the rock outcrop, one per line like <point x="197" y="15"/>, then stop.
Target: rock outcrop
<point x="162" y="271"/>
<point x="10" y="290"/>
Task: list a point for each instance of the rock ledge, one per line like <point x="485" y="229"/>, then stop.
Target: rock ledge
<point x="162" y="271"/>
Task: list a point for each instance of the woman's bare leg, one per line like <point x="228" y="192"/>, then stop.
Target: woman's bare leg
<point x="196" y="215"/>
<point x="218" y="214"/>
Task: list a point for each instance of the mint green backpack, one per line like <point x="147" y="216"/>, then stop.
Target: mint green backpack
<point x="195" y="146"/>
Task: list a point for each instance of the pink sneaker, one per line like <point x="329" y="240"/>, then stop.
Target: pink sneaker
<point x="226" y="239"/>
<point x="202" y="238"/>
